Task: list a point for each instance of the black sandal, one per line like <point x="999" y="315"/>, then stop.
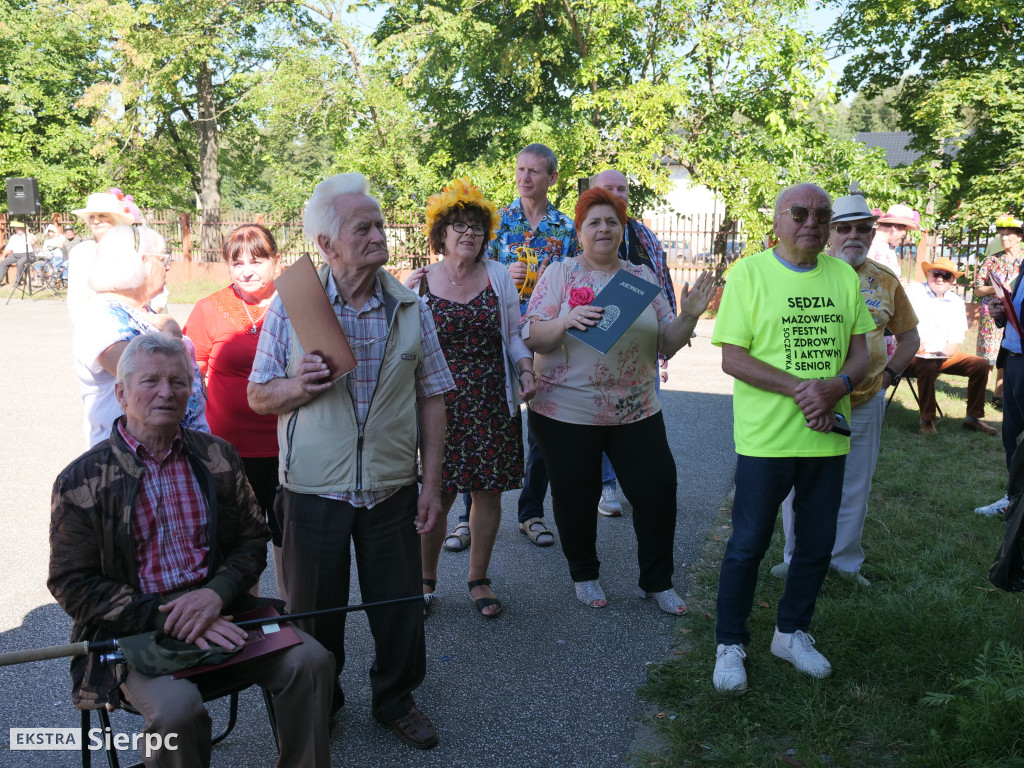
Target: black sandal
<point x="484" y="602"/>
<point x="428" y="597"/>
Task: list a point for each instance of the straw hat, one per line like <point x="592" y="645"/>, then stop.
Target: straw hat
<point x="18" y="224"/>
<point x="851" y="208"/>
<point x="942" y="263"/>
<point x="901" y="214"/>
<point x="104" y="202"/>
<point x="1009" y="222"/>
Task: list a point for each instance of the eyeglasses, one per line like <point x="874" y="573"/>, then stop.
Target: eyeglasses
<point x="940" y="274"/>
<point x="844" y="229"/>
<point x="799" y="213"/>
<point x="461" y="227"/>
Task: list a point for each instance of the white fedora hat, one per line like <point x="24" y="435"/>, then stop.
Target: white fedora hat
<point x="851" y="208"/>
<point x="104" y="202"/>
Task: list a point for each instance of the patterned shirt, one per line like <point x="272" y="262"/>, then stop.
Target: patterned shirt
<point x="367" y="332"/>
<point x="554" y="240"/>
<point x="169" y="520"/>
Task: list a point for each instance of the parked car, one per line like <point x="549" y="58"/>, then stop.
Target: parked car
<point x="733" y="251"/>
<point x="678" y="251"/>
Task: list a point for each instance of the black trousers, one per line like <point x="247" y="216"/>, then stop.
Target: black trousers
<point x="646" y="471"/>
<point x="318" y="534"/>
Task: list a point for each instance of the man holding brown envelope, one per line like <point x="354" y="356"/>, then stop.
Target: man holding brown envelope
<point x="349" y="447"/>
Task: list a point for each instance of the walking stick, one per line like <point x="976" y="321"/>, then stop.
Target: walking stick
<point x="112" y="646"/>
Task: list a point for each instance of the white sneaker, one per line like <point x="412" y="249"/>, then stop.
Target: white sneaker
<point x="995" y="508"/>
<point x="730" y="676"/>
<point x="609" y="505"/>
<point x="798" y="649"/>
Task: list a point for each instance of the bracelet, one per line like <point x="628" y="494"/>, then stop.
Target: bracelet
<point x="523" y="373"/>
<point x="849" y="386"/>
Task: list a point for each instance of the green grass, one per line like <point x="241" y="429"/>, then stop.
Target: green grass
<point x="194" y="290"/>
<point x="920" y="678"/>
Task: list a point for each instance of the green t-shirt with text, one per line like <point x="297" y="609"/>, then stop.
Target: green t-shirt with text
<point x="798" y="322"/>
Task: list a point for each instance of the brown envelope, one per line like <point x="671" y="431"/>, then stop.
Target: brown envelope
<point x="313" y="318"/>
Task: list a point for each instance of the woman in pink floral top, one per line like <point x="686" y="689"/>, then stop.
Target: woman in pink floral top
<point x="588" y="403"/>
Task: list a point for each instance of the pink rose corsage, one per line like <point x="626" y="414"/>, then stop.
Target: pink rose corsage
<point x="580" y="297"/>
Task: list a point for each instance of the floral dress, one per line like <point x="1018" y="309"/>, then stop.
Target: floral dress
<point x="483" y="443"/>
<point x="990" y="336"/>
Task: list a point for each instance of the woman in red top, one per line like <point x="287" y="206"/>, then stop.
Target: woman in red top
<point x="225" y="328"/>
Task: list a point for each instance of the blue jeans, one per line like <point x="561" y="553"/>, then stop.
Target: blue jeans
<point x="761" y="485"/>
<point x="535" y="481"/>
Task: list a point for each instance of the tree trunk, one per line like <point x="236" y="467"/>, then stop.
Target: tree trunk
<point x="209" y="173"/>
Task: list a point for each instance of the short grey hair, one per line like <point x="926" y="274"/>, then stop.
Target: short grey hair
<point x="119" y="264"/>
<point x="320" y="216"/>
<point x="545" y="153"/>
<point x="152" y="342"/>
<point x="787" y="190"/>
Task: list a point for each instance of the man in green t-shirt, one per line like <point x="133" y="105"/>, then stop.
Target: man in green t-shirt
<point x="791" y="327"/>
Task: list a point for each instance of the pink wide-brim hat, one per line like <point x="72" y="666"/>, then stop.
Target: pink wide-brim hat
<point x="900" y="214"/>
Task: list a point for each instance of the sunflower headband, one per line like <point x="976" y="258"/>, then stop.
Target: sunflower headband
<point x="461" y="193"/>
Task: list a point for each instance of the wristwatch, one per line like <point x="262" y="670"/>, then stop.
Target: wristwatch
<point x="893" y="375"/>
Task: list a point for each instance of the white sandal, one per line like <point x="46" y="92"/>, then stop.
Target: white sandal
<point x="591" y="594"/>
<point x="668" y="601"/>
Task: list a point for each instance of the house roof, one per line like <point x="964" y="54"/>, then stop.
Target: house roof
<point x="893" y="142"/>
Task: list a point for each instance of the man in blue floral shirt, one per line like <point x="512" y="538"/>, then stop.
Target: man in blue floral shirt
<point x="533" y="223"/>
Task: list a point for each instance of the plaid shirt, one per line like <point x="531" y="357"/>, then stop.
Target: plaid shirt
<point x="367" y="332"/>
<point x="169" y="520"/>
<point x="652" y="255"/>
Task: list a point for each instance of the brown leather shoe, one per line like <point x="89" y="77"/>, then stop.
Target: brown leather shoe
<point x="927" y="428"/>
<point x="415" y="729"/>
<point x="977" y="425"/>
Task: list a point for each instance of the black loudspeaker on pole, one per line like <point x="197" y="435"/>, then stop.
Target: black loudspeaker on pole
<point x="23" y="197"/>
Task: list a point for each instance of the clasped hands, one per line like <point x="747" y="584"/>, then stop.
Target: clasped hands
<point x="816" y="398"/>
<point x="194" y="617"/>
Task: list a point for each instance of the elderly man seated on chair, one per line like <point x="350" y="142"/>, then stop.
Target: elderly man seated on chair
<point x="157" y="528"/>
<point x="943" y="326"/>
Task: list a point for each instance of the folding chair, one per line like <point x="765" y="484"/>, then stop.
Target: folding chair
<point x="910" y="383"/>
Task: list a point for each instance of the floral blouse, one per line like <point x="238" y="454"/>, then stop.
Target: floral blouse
<point x="576" y="383"/>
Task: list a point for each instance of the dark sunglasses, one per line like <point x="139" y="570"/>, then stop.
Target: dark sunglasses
<point x="844" y="229"/>
<point x="799" y="214"/>
<point x="939" y="273"/>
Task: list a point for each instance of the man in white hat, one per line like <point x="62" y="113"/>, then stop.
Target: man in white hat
<point x="101" y="212"/>
<point x="943" y="326"/>
<point x="19" y="247"/>
<point x="853" y="226"/>
<point x="891" y="230"/>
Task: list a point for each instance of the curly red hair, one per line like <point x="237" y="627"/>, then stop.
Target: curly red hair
<point x="599" y="196"/>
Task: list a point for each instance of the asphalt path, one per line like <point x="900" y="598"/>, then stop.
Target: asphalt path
<point x="550" y="683"/>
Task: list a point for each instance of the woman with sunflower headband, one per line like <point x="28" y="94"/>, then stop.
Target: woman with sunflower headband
<point x="476" y="310"/>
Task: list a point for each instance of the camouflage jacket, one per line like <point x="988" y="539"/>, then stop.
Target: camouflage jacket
<point x="93" y="573"/>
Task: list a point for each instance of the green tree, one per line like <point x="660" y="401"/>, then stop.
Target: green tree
<point x="961" y="98"/>
<point x="47" y="62"/>
<point x="727" y="88"/>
